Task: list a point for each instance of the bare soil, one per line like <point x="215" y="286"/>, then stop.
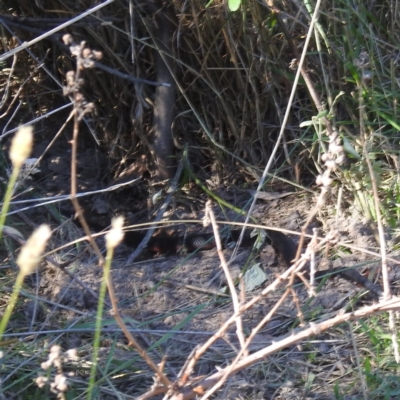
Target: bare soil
<point x="186" y="293"/>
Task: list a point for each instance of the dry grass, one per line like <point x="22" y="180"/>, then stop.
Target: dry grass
<point x="234" y="74"/>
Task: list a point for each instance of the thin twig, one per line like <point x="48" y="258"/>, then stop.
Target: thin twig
<point x="191" y="391"/>
<point x="54" y="30"/>
<point x="84" y="58"/>
<point x="241" y="224"/>
<point x="285" y="120"/>
<point x="127" y="77"/>
<point x="235" y="301"/>
<point x="285" y="276"/>
<point x="243" y="351"/>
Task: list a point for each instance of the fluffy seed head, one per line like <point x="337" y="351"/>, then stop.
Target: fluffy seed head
<point x="32" y="250"/>
<point x="21" y="146"/>
<point x="115" y="236"/>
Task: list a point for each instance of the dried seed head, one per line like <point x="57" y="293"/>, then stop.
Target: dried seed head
<point x="70" y="78"/>
<point x="98" y="55"/>
<point x="67" y="39"/>
<point x="21" y="146"/>
<point x="86" y="53"/>
<point x="115" y="236"/>
<point x="41" y="381"/>
<point x="32" y="250"/>
<point x="60" y="384"/>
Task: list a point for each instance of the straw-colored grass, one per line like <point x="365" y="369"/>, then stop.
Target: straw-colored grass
<point x="243" y="101"/>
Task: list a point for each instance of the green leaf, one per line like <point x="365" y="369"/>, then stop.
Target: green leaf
<point x="349" y="149"/>
<point x="306" y="123"/>
<point x="234" y="4"/>
<point x="388" y="119"/>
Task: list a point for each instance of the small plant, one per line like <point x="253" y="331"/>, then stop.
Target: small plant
<point x="21" y="147"/>
<point x="56" y="380"/>
<point x="31" y="252"/>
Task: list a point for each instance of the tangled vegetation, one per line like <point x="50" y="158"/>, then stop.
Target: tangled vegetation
<point x="136" y="104"/>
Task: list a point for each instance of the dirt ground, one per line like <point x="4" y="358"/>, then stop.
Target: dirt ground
<point x="186" y="294"/>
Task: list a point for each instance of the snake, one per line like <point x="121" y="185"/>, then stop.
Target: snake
<point x="282" y="243"/>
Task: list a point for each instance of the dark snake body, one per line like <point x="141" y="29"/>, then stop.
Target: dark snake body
<point x="282" y="243"/>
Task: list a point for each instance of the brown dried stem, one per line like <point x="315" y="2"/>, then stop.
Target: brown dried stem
<point x="84" y="59"/>
<point x="190" y="391"/>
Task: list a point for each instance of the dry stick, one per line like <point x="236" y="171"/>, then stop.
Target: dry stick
<point x="318" y="104"/>
<point x="39" y="159"/>
<point x="299" y="71"/>
<point x="251" y="225"/>
<point x="7" y="88"/>
<point x="312" y="263"/>
<point x="235" y="301"/>
<point x="74" y="199"/>
<point x="382" y="242"/>
<point x="171" y="191"/>
<point x="296" y="301"/>
<point x="131" y="341"/>
<point x="44" y="201"/>
<point x="54" y="30"/>
<point x="243" y="352"/>
<point x="384" y="267"/>
<point x="233" y="369"/>
<point x="296" y="267"/>
<point x="115" y="72"/>
<point x="43" y="67"/>
<point x="78" y="112"/>
<point x="190" y="392"/>
<point x="117" y="315"/>
<point x="152" y="393"/>
<point x="287" y="275"/>
<point x="385" y="274"/>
